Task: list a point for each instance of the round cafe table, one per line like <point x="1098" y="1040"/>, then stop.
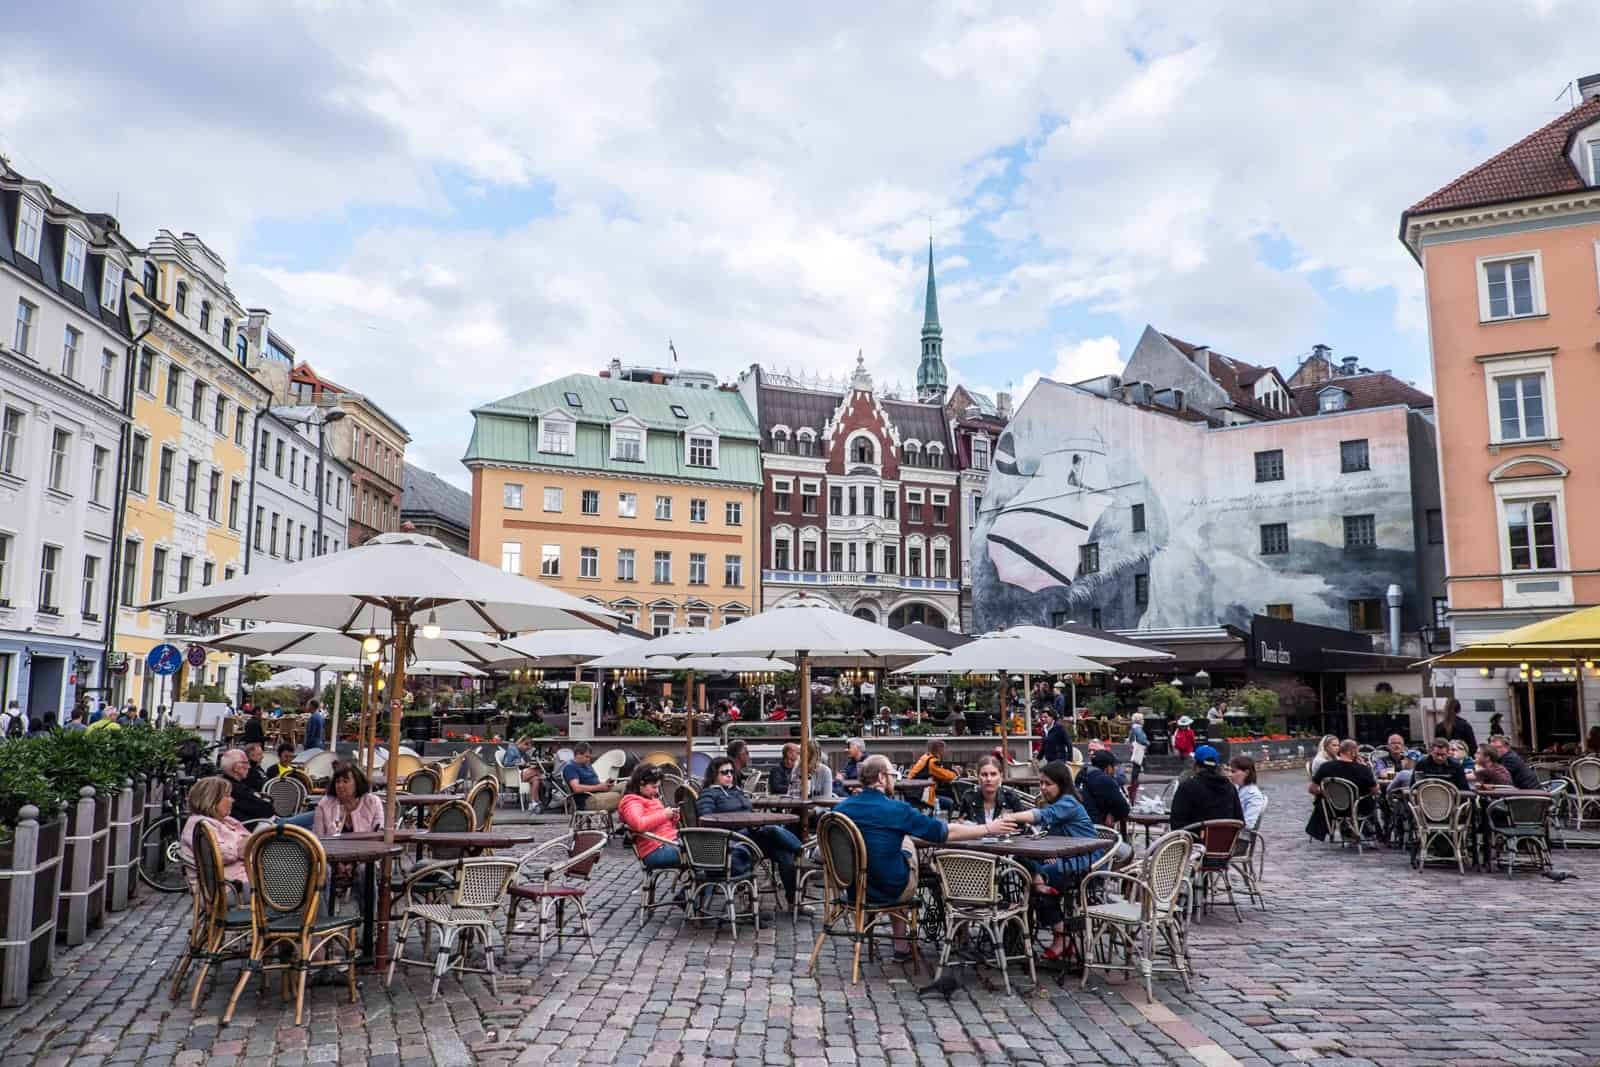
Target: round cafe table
<point x="1149" y="820"/>
<point x="367" y="851"/>
<point x="793" y="803"/>
<point x="747" y="820"/>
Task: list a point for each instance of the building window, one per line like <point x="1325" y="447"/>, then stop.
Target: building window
<point x="1366" y="614"/>
<point x="780" y="554"/>
<point x="664" y="508"/>
<point x="733" y="513"/>
<point x="91" y="575"/>
<point x="277" y="458"/>
<point x="1435" y="521"/>
<point x="1281" y="611"/>
<point x="185" y="568"/>
<point x="550" y="561"/>
<point x="591" y="501"/>
<point x="888" y="503"/>
<point x="977" y="509"/>
<point x="1141" y="590"/>
<point x="272" y="535"/>
<point x="1269" y="466"/>
<point x="238" y="427"/>
<point x="891" y="559"/>
<point x="697" y="509"/>
<point x="214" y="495"/>
<point x="241" y="348"/>
<point x="164" y="475"/>
<point x="627" y="505"/>
<point x="259" y="530"/>
<point x="158" y="574"/>
<point x="980" y="453"/>
<point x="1137" y="518"/>
<point x="205" y="316"/>
<point x="835" y="500"/>
<point x="60" y="454"/>
<point x="625" y="565"/>
<point x="588" y="563"/>
<point x="1094" y="618"/>
<point x="1353" y="457"/>
<point x="940" y="511"/>
<point x="628" y="444"/>
<point x="573" y="400"/>
<point x="1274" y="538"/>
<point x="1360" y="531"/>
<point x="1510" y="288"/>
<point x="660" y="623"/>
<point x="663" y="569"/>
<point x="130" y="573"/>
<point x="227" y="333"/>
<point x="780" y="442"/>
<point x="781" y="496"/>
<point x="22" y="340"/>
<point x="72" y="261"/>
<point x="808" y="498"/>
<point x="10" y="440"/>
<point x="679" y="412"/>
<point x="1521" y="408"/>
<point x="197" y="402"/>
<point x="49" y="565"/>
<point x="219" y="417"/>
<point x="511" y="496"/>
<point x="99" y="459"/>
<point x="697" y="568"/>
<point x="808" y="556"/>
<point x="71" y="344"/>
<point x="914" y="562"/>
<point x="836" y="557"/>
<point x="180" y="303"/>
<point x="108" y="374"/>
<point x="511" y="557"/>
<point x="233" y="505"/>
<point x="941" y="558"/>
<point x="913" y="509"/>
<point x="555" y="435"/>
<point x="30" y="228"/>
<point x="111" y="288"/>
<point x="1089" y="558"/>
<point x="174" y="386"/>
<point x="701" y="451"/>
<point x="732" y="570"/>
<point x="862" y="450"/>
<point x="554" y="498"/>
<point x="151" y="280"/>
<point x="1531" y="534"/>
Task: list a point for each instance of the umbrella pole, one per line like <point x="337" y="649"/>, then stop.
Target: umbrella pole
<point x="402" y="643"/>
<point x="688" y="724"/>
<point x="916" y="686"/>
<point x="1005" y="718"/>
<point x="338" y="694"/>
<point x="803" y="666"/>
<point x="1027" y="710"/>
<point x="369" y="716"/>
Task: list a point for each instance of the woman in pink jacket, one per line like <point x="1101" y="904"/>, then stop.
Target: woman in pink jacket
<point x="349" y="806"/>
<point x="642" y="812"/>
<point x="211" y="802"/>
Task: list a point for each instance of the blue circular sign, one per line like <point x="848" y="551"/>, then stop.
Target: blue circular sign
<point x="164" y="659"/>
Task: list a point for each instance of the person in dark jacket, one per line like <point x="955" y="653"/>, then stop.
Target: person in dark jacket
<point x="316" y="725"/>
<point x="778" y="777"/>
<point x="1057" y="744"/>
<point x="1103" y="797"/>
<point x="855" y="752"/>
<point x="254" y="733"/>
<point x="1206" y="794"/>
<point x="721" y="793"/>
<point x="991" y="800"/>
<point x="248" y="805"/>
<point x="1454" y="728"/>
<point x="1440" y="765"/>
<point x="1522" y="775"/>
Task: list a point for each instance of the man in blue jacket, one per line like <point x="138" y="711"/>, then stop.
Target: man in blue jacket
<point x="1103" y="797"/>
<point x="887" y="826"/>
<point x="314" y="725"/>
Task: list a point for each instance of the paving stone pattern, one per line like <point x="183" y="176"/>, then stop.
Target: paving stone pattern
<point x="1357" y="960"/>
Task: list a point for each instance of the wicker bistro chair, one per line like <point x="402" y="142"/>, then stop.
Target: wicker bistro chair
<point x="472" y="911"/>
<point x="1585" y="779"/>
<point x="650" y="889"/>
<point x="481" y="799"/>
<point x="287" y="793"/>
<point x="431" y="873"/>
<point x="844" y="873"/>
<point x="708" y="856"/>
<point x="218" y="931"/>
<point x="1341" y="809"/>
<point x="474" y="768"/>
<point x="1219" y="838"/>
<point x="974" y="901"/>
<point x="287" y="868"/>
<point x="558" y="872"/>
<point x="422" y="780"/>
<point x="1250" y="861"/>
<point x="1440" y="814"/>
<point x="1148" y="917"/>
<point x="1515" y="822"/>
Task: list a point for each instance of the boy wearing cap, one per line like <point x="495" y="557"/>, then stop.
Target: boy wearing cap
<point x="1206" y="794"/>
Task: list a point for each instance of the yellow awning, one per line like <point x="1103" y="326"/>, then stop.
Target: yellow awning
<point x="1575" y="628"/>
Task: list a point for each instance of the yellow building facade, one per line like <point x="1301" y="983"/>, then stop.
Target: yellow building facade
<point x="188" y="467"/>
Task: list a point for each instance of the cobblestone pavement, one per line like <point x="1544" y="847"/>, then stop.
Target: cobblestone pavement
<point x="1357" y="960"/>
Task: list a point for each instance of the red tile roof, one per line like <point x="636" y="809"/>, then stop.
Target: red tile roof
<point x="1369" y="389"/>
<point x="1236" y="377"/>
<point x="1535" y="166"/>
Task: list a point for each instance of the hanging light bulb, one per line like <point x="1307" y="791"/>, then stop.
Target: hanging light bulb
<point x="1538" y="672"/>
<point x="1484" y="672"/>
<point x="370" y="644"/>
<point x="372" y="657"/>
<point x="1588" y="664"/>
<point x="351" y="677"/>
<point x="430" y="629"/>
<point x="1522" y="666"/>
<point x="381" y="683"/>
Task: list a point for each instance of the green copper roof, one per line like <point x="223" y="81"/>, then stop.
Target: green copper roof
<point x="506" y="431"/>
<point x="930" y="314"/>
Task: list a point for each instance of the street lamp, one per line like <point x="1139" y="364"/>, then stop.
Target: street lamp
<point x="327" y="415"/>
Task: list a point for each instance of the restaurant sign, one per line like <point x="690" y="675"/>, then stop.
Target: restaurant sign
<point x="1281" y="645"/>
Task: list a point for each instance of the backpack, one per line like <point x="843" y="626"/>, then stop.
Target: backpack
<point x="11" y="724"/>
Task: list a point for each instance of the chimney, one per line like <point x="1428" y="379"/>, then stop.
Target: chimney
<point x="1347" y="366"/>
<point x="1002" y="403"/>
<point x="1589" y="87"/>
<point x="1322" y="352"/>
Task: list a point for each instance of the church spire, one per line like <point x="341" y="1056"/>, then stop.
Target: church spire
<point x="930" y="371"/>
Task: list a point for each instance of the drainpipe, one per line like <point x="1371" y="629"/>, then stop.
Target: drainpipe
<point x="119" y="516"/>
<point x="1394" y="597"/>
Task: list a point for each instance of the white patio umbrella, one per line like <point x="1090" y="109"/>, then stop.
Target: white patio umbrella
<point x="1006" y="653"/>
<point x="403" y="581"/>
<point x="276" y="638"/>
<point x="809" y="631"/>
<point x="560" y="648"/>
<point x="434" y="668"/>
<point x="1089" y="646"/>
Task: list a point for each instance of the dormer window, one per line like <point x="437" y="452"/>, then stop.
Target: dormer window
<point x="780" y="441"/>
<point x="679" y="412"/>
<point x="180" y="303"/>
<point x="30" y="229"/>
<point x="574" y="400"/>
<point x="555" y="435"/>
<point x="72" y="261"/>
<point x="627" y="443"/>
<point x="619" y="405"/>
<point x="1332" y="400"/>
<point x="1594" y="162"/>
<point x="111" y="287"/>
<point x="702" y="452"/>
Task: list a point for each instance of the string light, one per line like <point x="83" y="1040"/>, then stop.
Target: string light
<point x="430" y="629"/>
<point x="370" y="645"/>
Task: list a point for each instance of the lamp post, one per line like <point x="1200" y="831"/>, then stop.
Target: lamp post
<point x="320" y="418"/>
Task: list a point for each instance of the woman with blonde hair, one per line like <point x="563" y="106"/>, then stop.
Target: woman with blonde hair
<point x="1327" y="749"/>
<point x="211" y="802"/>
<point x="821" y="777"/>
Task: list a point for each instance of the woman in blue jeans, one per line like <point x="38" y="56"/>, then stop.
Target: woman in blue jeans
<point x="642" y="812"/>
<point x="719" y="793"/>
<point x="1063" y="815"/>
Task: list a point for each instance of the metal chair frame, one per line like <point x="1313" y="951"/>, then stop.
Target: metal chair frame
<point x="1526" y="821"/>
<point x="973" y="900"/>
<point x="844" y="867"/>
<point x="287" y="870"/>
<point x="1218" y="838"/>
<point x="1585" y="778"/>
<point x="481" y="799"/>
<point x="287" y="793"/>
<point x="480" y="890"/>
<point x="652" y="877"/>
<point x="1440" y="813"/>
<point x="422" y="780"/>
<point x="708" y="857"/>
<point x="553" y="867"/>
<point x="218" y="931"/>
<point x="1151" y="907"/>
<point x="1341" y="810"/>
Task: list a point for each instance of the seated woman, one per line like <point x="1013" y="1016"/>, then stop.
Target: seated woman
<point x="349" y="806"/>
<point x="1488" y="769"/>
<point x="1327" y="749"/>
<point x="211" y="802"/>
<point x="1242" y="770"/>
<point x="821" y="777"/>
<point x="1061" y="814"/>
<point x="991" y="801"/>
<point x="642" y="812"/>
<point x="719" y="792"/>
<point x="1459" y="753"/>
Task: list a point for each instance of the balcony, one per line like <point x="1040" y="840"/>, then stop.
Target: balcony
<point x="862" y="578"/>
<point x="180" y="625"/>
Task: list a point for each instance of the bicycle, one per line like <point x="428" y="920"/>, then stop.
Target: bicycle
<point x="160" y="847"/>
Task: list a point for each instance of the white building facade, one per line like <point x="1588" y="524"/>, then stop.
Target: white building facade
<point x="283" y="490"/>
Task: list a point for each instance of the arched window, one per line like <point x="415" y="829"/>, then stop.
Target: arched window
<point x="863" y="451"/>
<point x="205" y="316"/>
<point x="242" y="345"/>
<point x="150" y="280"/>
<point x="780" y="441"/>
<point x="913" y="452"/>
<point x="180" y="304"/>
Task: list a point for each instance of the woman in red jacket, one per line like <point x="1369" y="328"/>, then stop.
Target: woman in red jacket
<point x="1183" y="740"/>
<point x="642" y="812"/>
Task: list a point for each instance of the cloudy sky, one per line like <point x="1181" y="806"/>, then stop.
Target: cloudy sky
<point x="442" y="210"/>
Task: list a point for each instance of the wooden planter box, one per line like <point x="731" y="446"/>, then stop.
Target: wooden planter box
<point x="83" y="890"/>
<point x="30" y="881"/>
<point x="127" y="823"/>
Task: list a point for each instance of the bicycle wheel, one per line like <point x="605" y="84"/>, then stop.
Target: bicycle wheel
<point x="160" y="863"/>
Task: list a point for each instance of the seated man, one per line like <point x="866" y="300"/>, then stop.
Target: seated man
<point x="1440" y="765"/>
<point x="255" y="777"/>
<point x="249" y="805"/>
<point x="1103" y="796"/>
<point x="778" y="780"/>
<point x="589" y="793"/>
<point x="931" y="765"/>
<point x="1487" y="768"/>
<point x="1348" y="767"/>
<point x="855" y="752"/>
<point x="1522" y="775"/>
<point x="1206" y="794"/>
<point x="887" y="826"/>
<point x="1393" y="754"/>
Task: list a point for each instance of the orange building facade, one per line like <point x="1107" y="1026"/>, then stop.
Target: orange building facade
<point x="1510" y="254"/>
